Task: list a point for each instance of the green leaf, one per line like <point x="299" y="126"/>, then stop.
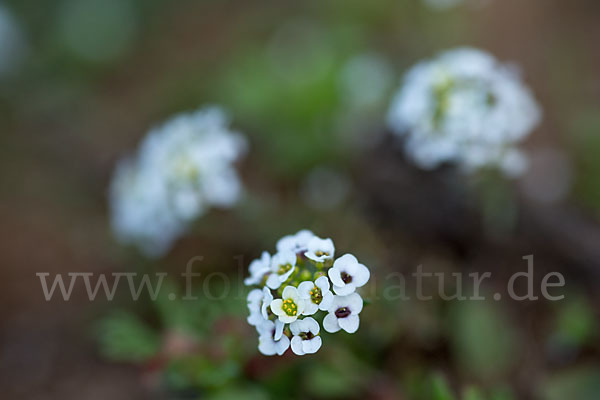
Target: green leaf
<point x="576" y="384"/>
<point x="440" y="389"/>
<point x="575" y="323"/>
<point x="123" y="337"/>
<point x="483" y="339"/>
<point x="473" y="393"/>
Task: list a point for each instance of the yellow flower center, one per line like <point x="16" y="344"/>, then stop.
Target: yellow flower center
<point x="284" y="268"/>
<point x="320" y="253"/>
<point x="289" y="307"/>
<point x="442" y="92"/>
<point x="185" y="169"/>
<point x="316" y="295"/>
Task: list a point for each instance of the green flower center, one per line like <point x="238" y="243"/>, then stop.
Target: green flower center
<point x="490" y="99"/>
<point x="289" y="307"/>
<point x="185" y="169"/>
<point x="284" y="268"/>
<point x="441" y="93"/>
<point x="316" y="296"/>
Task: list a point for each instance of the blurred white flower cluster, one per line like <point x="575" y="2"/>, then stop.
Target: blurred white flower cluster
<point x="181" y="168"/>
<point x="442" y="4"/>
<point x="12" y="43"/>
<point x="298" y="285"/>
<point x="464" y="107"/>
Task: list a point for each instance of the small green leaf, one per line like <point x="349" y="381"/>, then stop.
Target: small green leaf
<point x="123" y="337"/>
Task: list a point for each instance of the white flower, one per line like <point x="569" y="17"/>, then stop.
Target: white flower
<point x="319" y="249"/>
<point x="194" y="154"/>
<point x="347" y="274"/>
<point x="182" y="168"/>
<point x="139" y="212"/>
<point x="283" y="264"/>
<point x="297" y="243"/>
<point x="258" y="269"/>
<point x="305" y="339"/>
<point x="316" y="295"/>
<point x="255" y="302"/>
<point x="343" y="314"/>
<point x="463" y="107"/>
<point x="271" y="339"/>
<point x="289" y="307"/>
<point x="12" y="43"/>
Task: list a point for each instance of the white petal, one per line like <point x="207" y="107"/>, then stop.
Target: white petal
<point x="326" y="301"/>
<point x="286" y="243"/>
<point x="265" y="328"/>
<point x="296" y="298"/>
<point x="296" y="327"/>
<point x="322" y="283"/>
<point x="295" y="243"/>
<point x="304" y="289"/>
<point x="266" y="345"/>
<point x="301" y="304"/>
<point x="266" y="302"/>
<point x="251" y="280"/>
<point x="287" y="319"/>
<point x="310" y="308"/>
<point x="345" y="261"/>
<point x="317" y="244"/>
<point x="311" y="325"/>
<point x="350" y="323"/>
<point x="283" y="258"/>
<point x="278" y="330"/>
<point x="254" y="296"/>
<point x="282" y="345"/>
<point x="344" y="290"/>
<point x="284" y="277"/>
<point x="361" y="275"/>
<point x="297" y="346"/>
<point x="255" y="319"/>
<point x="289" y="257"/>
<point x="303" y="237"/>
<point x="354" y="302"/>
<point x="273" y="281"/>
<point x="330" y="323"/>
<point x="257" y="266"/>
<point x="265" y="258"/>
<point x="276" y="307"/>
<point x="335" y="276"/>
<point x="289" y="292"/>
<point x="312" y="346"/>
<point x="335" y="304"/>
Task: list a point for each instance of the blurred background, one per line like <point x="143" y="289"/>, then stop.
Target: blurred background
<point x="309" y="83"/>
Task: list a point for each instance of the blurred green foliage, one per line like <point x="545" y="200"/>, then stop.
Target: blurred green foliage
<point x="483" y="338"/>
<point x="124" y="337"/>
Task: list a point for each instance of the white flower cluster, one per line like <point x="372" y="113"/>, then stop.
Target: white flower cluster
<point x="12" y="43"/>
<point x="180" y="170"/>
<point x="300" y="283"/>
<point x="464" y="107"/>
